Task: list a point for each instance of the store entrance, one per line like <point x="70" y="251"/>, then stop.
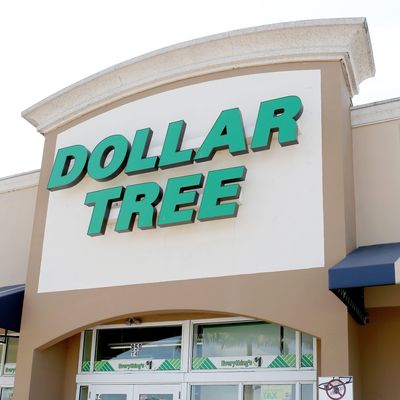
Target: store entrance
<point x="111" y="392"/>
<point x="213" y="359"/>
<point x="136" y="392"/>
<point x="156" y="392"/>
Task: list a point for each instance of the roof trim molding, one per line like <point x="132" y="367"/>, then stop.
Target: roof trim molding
<point x="345" y="39"/>
<point x="21" y="181"/>
<point x="375" y="113"/>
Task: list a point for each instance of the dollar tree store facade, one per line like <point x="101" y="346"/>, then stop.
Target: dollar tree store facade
<point x="211" y="222"/>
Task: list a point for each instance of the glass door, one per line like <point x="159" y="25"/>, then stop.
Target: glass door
<point x="111" y="392"/>
<point x="6" y="393"/>
<point x="157" y="392"/>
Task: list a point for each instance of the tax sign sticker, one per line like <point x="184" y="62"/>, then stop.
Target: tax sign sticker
<point x="335" y="388"/>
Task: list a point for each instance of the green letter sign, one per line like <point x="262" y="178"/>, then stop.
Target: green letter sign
<point x="114" y="154"/>
<point x="118" y="147"/>
<point x="279" y="115"/>
<point x="101" y="200"/>
<point x="217" y="189"/>
<point x="139" y="200"/>
<point x="227" y="133"/>
<point x="172" y="155"/>
<point x="138" y="162"/>
<point x="63" y="175"/>
<point x="178" y="194"/>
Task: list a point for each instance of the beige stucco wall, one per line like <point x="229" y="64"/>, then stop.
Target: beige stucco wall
<point x="376" y="146"/>
<point x="382" y="296"/>
<point x="71" y="363"/>
<point x="377" y="182"/>
<point x="355" y="351"/>
<point x="339" y="208"/>
<point x="379" y="341"/>
<point x="16" y="218"/>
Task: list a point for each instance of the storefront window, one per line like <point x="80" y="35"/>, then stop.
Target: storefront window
<point x="307" y="351"/>
<point x="1" y="354"/>
<point x="201" y="353"/>
<point x="7" y="393"/>
<point x="138" y="349"/>
<point x="243" y="345"/>
<point x="214" y="392"/>
<point x="266" y="392"/>
<point x="10" y="362"/>
<point x="84" y="393"/>
<point x="307" y="391"/>
<point x="86" y="351"/>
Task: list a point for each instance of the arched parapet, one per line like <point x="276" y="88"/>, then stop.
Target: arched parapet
<point x="345" y="40"/>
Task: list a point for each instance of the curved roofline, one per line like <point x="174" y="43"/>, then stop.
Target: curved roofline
<point x="343" y="39"/>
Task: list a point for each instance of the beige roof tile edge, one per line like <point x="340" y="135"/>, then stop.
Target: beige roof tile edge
<point x="376" y="112"/>
<point x="344" y="39"/>
<point x="24" y="180"/>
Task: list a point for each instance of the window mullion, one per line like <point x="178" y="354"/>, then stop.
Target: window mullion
<point x="80" y="361"/>
<point x="298" y="349"/>
<point x="240" y="391"/>
<point x="93" y="350"/>
<point x="186" y="346"/>
<point x="3" y="357"/>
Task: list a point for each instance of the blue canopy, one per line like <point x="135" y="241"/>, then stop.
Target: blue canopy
<point x="11" y="301"/>
<point x="366" y="266"/>
<point x="375" y="265"/>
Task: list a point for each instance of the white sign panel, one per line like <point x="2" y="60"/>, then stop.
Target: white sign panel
<point x="279" y="225"/>
<point x="335" y="388"/>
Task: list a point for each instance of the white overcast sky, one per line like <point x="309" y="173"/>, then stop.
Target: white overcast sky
<point x="47" y="45"/>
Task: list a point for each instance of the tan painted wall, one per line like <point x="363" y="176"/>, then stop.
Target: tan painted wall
<point x="49" y="378"/>
<point x="355" y="351"/>
<point x="299" y="299"/>
<point x="339" y="214"/>
<point x="380" y="354"/>
<point x="382" y="296"/>
<point x="377" y="182"/>
<point x="71" y="364"/>
<point x="16" y="219"/>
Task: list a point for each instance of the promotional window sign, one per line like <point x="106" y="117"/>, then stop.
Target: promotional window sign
<point x="138" y="364"/>
<point x="250" y="362"/>
<point x="277" y="392"/>
<point x="10" y="368"/>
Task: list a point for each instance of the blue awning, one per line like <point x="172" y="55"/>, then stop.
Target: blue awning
<point x="367" y="266"/>
<point x="11" y="301"/>
<point x="375" y="265"/>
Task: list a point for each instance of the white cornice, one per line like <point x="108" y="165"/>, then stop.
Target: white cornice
<point x="21" y="181"/>
<point x="374" y="113"/>
<point x="346" y="40"/>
